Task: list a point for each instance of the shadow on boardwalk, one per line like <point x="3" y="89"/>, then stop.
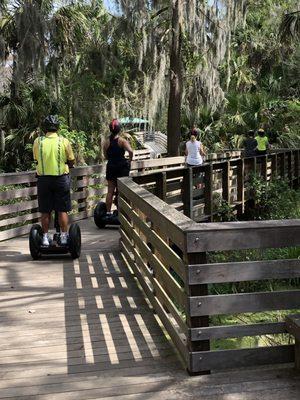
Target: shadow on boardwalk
<point x="83" y="330"/>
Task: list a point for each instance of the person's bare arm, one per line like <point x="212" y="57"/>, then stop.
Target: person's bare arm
<point x="202" y="151"/>
<point x="186" y="151"/>
<point x="125" y="144"/>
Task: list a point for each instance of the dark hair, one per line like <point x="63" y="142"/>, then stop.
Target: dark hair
<point x="261" y="132"/>
<point x="250" y="133"/>
<point x="50" y="123"/>
<point x="114" y="128"/>
<point x="194" y="132"/>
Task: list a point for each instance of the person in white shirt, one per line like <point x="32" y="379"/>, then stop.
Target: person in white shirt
<point x="194" y="150"/>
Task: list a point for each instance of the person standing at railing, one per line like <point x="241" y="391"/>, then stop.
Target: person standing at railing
<point x="117" y="166"/>
<point x="194" y="150"/>
<point x="250" y="145"/>
<point x="53" y="155"/>
<point x="262" y="143"/>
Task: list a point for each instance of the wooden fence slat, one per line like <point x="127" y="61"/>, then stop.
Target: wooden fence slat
<point x="242" y="357"/>
<point x="180" y="345"/>
<point x="170" y="258"/>
<point x="244" y="302"/>
<point x="165" y="275"/>
<point x="156" y="210"/>
<point x="18" y="207"/>
<point x="243" y="271"/>
<point x="234" y="331"/>
<point x="243" y="235"/>
<point x="16" y="193"/>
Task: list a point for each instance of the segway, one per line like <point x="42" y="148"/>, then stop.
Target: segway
<point x="36" y="237"/>
<point x="101" y="218"/>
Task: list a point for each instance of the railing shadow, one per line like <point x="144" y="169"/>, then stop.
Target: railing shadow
<point x="109" y="324"/>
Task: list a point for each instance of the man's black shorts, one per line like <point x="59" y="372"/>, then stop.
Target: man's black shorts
<point x="118" y="170"/>
<point x="54" y="193"/>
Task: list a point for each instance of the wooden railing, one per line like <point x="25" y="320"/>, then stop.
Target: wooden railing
<point x="171" y="256"/>
<point x="198" y="191"/>
<point x="18" y="194"/>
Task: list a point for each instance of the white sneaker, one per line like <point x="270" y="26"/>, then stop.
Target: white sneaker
<point x="64" y="238"/>
<point x="45" y="241"/>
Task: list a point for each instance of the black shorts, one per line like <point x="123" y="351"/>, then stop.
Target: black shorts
<point x="115" y="171"/>
<point x="54" y="193"/>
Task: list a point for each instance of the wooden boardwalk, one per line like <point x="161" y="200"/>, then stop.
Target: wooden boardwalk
<point x="83" y="330"/>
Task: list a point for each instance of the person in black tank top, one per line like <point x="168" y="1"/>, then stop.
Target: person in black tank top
<point x="117" y="165"/>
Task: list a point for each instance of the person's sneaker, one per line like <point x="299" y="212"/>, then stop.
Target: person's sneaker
<point x="45" y="240"/>
<point x="64" y="238"/>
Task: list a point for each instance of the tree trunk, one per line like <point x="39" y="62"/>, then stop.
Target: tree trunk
<point x="174" y="108"/>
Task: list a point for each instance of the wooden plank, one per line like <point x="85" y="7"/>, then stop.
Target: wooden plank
<point x="18" y="207"/>
<point x="242" y="357"/>
<point x="19" y="219"/>
<point x="158" y="162"/>
<point x="161" y="186"/>
<point x="243" y="271"/>
<point x="167" y="279"/>
<point x="243" y="235"/>
<point x="16" y="193"/>
<point x="158" y="289"/>
<point x="234" y="331"/>
<point x="156" y="210"/>
<point x="88" y="170"/>
<point x="187" y="192"/>
<point x="170" y="258"/>
<point x="208" y="193"/>
<point x="16" y="178"/>
<point x="244" y="302"/>
<point x="226" y="181"/>
<point x="177" y="340"/>
<point x="14" y="232"/>
<point x="293" y="325"/>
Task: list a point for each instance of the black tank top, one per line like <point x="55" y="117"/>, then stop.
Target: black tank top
<point x="115" y="153"/>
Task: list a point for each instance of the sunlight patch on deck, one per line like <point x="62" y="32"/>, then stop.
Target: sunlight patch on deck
<point x="130" y="337"/>
<point x="114" y="262"/>
<point x="112" y="352"/>
<point x="87" y="343"/>
<point x="147" y="336"/>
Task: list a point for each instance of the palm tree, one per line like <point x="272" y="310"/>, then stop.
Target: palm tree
<point x="290" y="26"/>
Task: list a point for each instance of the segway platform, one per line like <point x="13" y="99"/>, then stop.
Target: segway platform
<point x="37" y="249"/>
<point x="101" y="218"/>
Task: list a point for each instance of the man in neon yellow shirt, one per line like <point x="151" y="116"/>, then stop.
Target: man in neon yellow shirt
<point x="262" y="143"/>
<point x="53" y="155"/>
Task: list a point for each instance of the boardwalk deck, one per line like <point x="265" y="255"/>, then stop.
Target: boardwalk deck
<point x="83" y="330"/>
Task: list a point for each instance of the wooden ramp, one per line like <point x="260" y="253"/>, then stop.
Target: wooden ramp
<point x="83" y="330"/>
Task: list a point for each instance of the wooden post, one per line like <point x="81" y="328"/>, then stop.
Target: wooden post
<point x="274" y="162"/>
<point x="282" y="165"/>
<point x="196" y="322"/>
<point x="289" y="166"/>
<point x="264" y="167"/>
<point x="208" y="198"/>
<point x="226" y="181"/>
<point x="82" y="206"/>
<point x="241" y="186"/>
<point x="161" y="186"/>
<point x="296" y="167"/>
<point x="187" y="192"/>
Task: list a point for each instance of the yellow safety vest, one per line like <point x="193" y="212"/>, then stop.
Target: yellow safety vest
<point x="51" y="155"/>
<point x="262" y="143"/>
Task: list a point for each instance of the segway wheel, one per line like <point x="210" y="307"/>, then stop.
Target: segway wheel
<point x="35" y="241"/>
<point x="75" y="241"/>
<point x="99" y="215"/>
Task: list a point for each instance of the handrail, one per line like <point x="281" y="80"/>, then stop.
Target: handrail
<point x="169" y="254"/>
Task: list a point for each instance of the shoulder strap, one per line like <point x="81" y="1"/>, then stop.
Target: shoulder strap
<point x="41" y="139"/>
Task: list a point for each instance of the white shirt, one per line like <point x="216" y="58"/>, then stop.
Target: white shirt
<point x="193" y="149"/>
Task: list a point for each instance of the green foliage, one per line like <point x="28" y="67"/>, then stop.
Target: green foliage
<point x="273" y="200"/>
